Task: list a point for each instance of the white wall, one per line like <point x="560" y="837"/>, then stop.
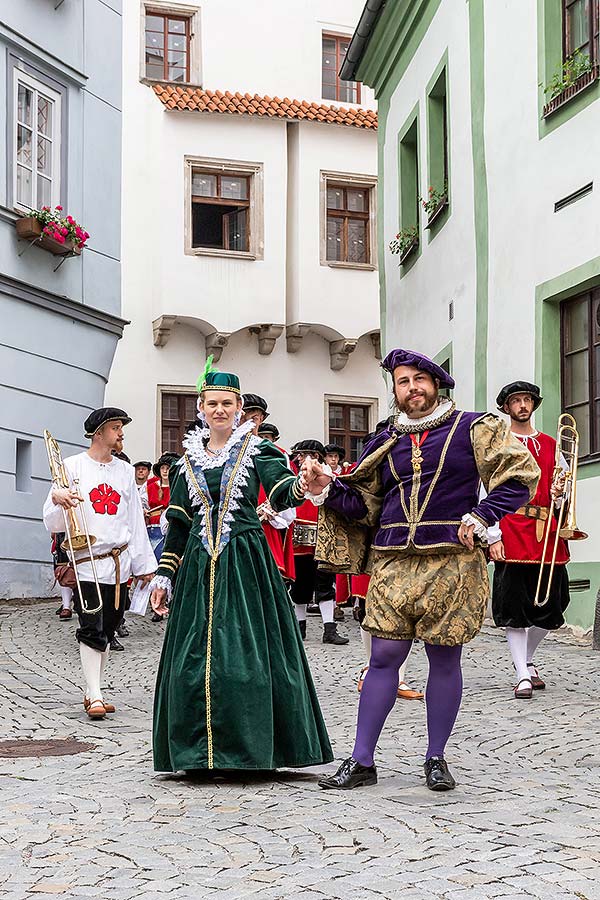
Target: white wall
<point x="417" y="304"/>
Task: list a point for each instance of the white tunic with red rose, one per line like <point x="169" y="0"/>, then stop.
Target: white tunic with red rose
<point x="114" y="514"/>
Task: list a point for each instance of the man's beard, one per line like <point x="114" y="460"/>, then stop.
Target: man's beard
<point x="425" y="404"/>
<point x="522" y="417"/>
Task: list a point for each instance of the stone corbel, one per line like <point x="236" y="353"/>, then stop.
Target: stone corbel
<point x="267" y="335"/>
<point x="161" y="330"/>
<point x="216" y="343"/>
<point x="294" y="335"/>
<point x="376" y="341"/>
<point x="339" y="351"/>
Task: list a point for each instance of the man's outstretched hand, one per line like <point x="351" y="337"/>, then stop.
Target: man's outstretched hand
<point x="314" y="476"/>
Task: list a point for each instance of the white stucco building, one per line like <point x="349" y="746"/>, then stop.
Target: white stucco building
<point x="249" y="218"/>
<point x="505" y="283"/>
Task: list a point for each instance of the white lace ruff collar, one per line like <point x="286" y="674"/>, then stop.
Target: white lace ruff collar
<point x="194" y="444"/>
<point x="405" y="424"/>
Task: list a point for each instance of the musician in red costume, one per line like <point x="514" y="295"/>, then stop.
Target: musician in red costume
<point x="311" y="582"/>
<point x="516" y="547"/>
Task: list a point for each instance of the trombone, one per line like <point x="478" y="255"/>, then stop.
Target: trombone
<point x="567" y="451"/>
<point x="76" y="538"/>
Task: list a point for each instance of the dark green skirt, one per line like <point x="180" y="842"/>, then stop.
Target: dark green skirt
<point x="234" y="689"/>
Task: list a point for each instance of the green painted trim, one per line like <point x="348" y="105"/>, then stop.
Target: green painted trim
<point x="548" y="295"/>
<point x="480" y="195"/>
<point x="582" y="608"/>
<point x="438" y="86"/>
<point x="397" y="36"/>
<point x="383" y="108"/>
<point x="409" y="178"/>
<point x="445" y="353"/>
<point x="549" y="61"/>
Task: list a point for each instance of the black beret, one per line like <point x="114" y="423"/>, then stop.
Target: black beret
<point x="253" y="401"/>
<point x="147" y="465"/>
<point x="335" y="448"/>
<point x="268" y="428"/>
<point x="309" y="446"/>
<point x="100" y="417"/>
<point x="519" y="387"/>
<point x="165" y="460"/>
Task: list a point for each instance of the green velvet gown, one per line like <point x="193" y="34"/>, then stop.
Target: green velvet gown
<point x="234" y="689"/>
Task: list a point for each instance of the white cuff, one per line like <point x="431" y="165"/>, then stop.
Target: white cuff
<point x="480" y="528"/>
<point x="319" y="499"/>
<point x="494" y="534"/>
<point x="161" y="581"/>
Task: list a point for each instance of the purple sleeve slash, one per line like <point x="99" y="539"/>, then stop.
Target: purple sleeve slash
<point x="346" y="500"/>
<point x="504" y="499"/>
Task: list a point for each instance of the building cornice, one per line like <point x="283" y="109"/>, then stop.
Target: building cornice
<point x="62" y="306"/>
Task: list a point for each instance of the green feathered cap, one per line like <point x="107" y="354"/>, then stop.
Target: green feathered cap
<point x="213" y="380"/>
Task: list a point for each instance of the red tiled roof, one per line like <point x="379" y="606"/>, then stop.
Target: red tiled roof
<point x="198" y="100"/>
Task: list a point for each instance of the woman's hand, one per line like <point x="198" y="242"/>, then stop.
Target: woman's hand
<point x="315" y="478"/>
<point x="158" y="601"/>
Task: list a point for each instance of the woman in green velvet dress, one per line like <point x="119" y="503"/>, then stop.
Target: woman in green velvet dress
<point x="234" y="690"/>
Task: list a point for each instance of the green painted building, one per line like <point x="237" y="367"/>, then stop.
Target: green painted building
<point x="489" y="208"/>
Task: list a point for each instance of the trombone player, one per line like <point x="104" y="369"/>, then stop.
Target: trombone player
<point x="95" y="496"/>
<point x="519" y="543"/>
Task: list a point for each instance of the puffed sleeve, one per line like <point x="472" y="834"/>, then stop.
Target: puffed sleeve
<point x="281" y="486"/>
<point x="507" y="469"/>
<point x="179" y="515"/>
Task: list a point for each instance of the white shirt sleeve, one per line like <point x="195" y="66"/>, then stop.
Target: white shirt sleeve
<point x="143" y="560"/>
<point x="283" y="519"/>
<point x="53" y="515"/>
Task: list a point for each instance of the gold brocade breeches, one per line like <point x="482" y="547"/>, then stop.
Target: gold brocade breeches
<point x="440" y="599"/>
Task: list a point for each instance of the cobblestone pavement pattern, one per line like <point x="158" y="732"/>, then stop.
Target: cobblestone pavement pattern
<point x="523" y="821"/>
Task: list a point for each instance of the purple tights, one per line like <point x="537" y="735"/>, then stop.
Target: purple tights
<point x="378" y="695"/>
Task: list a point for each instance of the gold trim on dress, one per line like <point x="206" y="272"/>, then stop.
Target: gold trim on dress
<point x="181" y="509"/>
<point x="408" y="524"/>
<point x="279" y="483"/>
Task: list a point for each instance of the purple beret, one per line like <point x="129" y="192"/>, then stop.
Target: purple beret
<point x="401" y="357"/>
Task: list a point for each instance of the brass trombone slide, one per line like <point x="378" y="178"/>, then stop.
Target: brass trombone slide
<point x="567" y="451"/>
<point x="76" y="537"/>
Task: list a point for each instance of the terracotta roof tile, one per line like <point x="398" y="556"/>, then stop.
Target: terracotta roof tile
<point x="198" y="100"/>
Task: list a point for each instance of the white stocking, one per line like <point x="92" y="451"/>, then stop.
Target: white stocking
<point x="91" y="663"/>
<point x="103" y="663"/>
<point x="517" y="642"/>
<point x="326" y="607"/>
<point x="66" y="594"/>
<point x="535" y="636"/>
<point x="300" y="611"/>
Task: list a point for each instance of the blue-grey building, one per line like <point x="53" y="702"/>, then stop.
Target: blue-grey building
<point x="60" y="143"/>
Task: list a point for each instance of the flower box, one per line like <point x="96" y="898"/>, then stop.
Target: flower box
<point x="438" y="211"/>
<point x="408" y="252"/>
<point x="580" y="85"/>
<point x="31" y="229"/>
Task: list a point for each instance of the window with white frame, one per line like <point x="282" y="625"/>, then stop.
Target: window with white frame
<point x="36" y="143"/>
<point x="224" y="208"/>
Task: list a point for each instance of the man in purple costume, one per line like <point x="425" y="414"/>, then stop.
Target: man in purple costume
<point x="410" y="513"/>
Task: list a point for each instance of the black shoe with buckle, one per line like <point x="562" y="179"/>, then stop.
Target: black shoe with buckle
<point x="116" y="645"/>
<point x="351" y="774"/>
<point x="437" y="774"/>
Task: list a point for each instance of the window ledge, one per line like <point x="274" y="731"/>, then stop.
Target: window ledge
<point x="335" y="264"/>
<point x="232" y="254"/>
<point x="404" y="257"/>
<point x="583" y="82"/>
<point x="152" y="81"/>
<point x="437" y="213"/>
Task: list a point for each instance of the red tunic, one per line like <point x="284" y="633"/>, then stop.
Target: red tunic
<point x="523" y="540"/>
<point x="155" y="500"/>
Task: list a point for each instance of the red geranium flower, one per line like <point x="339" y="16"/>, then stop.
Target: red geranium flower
<point x="105" y="499"/>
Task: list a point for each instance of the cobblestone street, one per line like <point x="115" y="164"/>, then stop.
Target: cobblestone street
<point x="523" y="821"/>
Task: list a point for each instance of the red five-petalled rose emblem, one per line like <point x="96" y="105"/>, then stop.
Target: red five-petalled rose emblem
<point x="105" y="499"/>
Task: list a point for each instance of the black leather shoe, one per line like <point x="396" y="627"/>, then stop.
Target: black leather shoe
<point x="122" y="629"/>
<point x="437" y="774"/>
<point x="350" y="775"/>
<point x="116" y="645"/>
<point x="331" y="635"/>
<point x="156" y="617"/>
